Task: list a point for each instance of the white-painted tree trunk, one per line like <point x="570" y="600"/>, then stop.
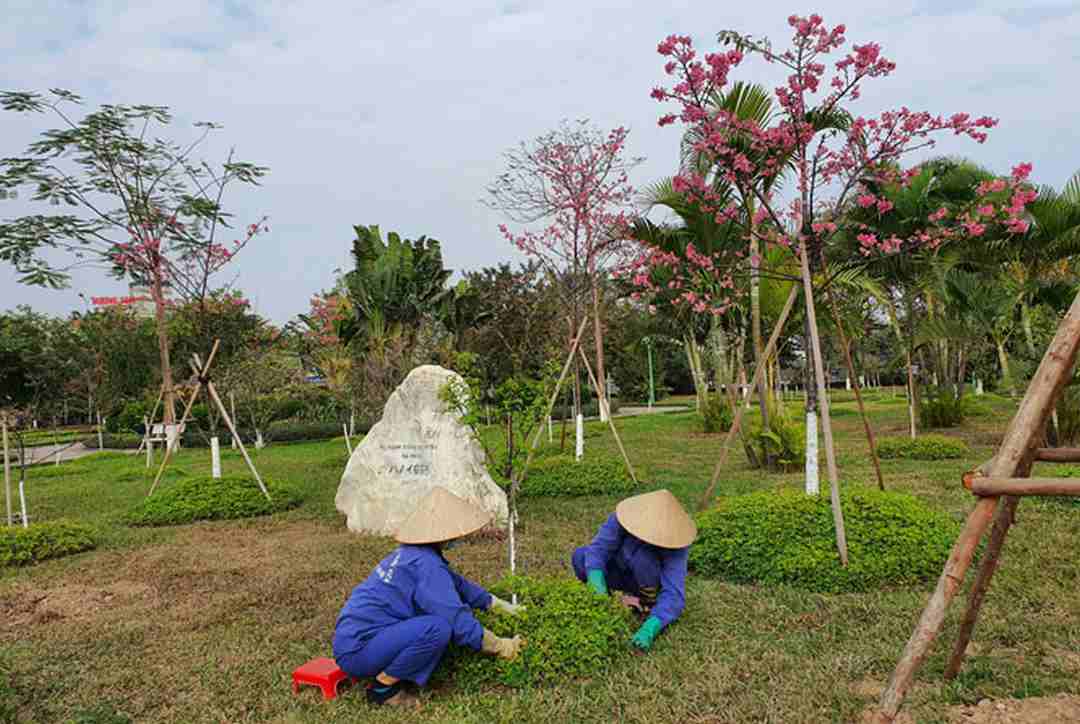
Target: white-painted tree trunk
<point x="348" y="445"/>
<point x="100" y="441"/>
<point x="847" y="384"/>
<point x="579" y="438"/>
<point x="22" y="502"/>
<point x="215" y="457"/>
<point x="149" y="454"/>
<point x="551" y="437"/>
<point x="813" y="480"/>
<point x="259" y="444"/>
<point x="978" y="387"/>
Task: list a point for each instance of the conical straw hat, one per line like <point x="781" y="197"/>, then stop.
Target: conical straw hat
<point x="441" y="516"/>
<point x="657" y="518"/>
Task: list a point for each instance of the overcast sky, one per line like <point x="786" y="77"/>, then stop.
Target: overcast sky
<point x="396" y="113"/>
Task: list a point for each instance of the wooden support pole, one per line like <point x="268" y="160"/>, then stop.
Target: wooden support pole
<point x="991" y="556"/>
<point x="611" y="422"/>
<point x="759" y="370"/>
<point x="183" y="421"/>
<point x="1058" y="454"/>
<point x="991" y="487"/>
<point x="7" y="470"/>
<point x="1023" y="434"/>
<point x="232" y="429"/>
<point x="846" y="344"/>
<point x="823" y="402"/>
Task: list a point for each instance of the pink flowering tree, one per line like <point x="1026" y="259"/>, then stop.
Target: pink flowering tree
<point x="831" y="165"/>
<point x="130" y="201"/>
<point x="575" y="180"/>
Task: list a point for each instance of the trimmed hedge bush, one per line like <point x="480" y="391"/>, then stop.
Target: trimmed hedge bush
<point x="942" y="408"/>
<point x="787" y="538"/>
<point x="197" y="438"/>
<point x="205" y="498"/>
<point x="561" y="476"/>
<point x="717" y="414"/>
<point x="570" y="633"/>
<point x="924" y="447"/>
<point x="22" y="546"/>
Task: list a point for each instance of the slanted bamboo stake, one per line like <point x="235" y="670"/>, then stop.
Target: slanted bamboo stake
<point x="759" y="370"/>
<point x="232" y="429"/>
<point x="551" y="402"/>
<point x="232" y="405"/>
<point x="991" y="557"/>
<point x="187" y="411"/>
<point x="856" y="385"/>
<point x="1024" y="430"/>
<point x="823" y="401"/>
<point x="7" y="470"/>
<point x="611" y="422"/>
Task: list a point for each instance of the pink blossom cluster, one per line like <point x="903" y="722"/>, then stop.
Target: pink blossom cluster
<point x="587" y="192"/>
<point x="831" y="163"/>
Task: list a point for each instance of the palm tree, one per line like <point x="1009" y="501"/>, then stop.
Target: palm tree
<point x="395" y="286"/>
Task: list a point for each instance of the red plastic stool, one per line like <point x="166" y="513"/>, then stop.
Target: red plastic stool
<point x="321" y="672"/>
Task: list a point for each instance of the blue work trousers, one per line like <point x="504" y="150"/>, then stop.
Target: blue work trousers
<point x="617" y="579"/>
<point x="408" y="650"/>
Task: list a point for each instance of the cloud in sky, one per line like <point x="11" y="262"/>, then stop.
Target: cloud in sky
<point x="396" y="113"/>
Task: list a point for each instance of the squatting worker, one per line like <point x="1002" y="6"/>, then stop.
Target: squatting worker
<point x="398" y="622"/>
<point x="642" y="550"/>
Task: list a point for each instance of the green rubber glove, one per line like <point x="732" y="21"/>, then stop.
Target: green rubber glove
<point x="597" y="582"/>
<point x="644" y="637"/>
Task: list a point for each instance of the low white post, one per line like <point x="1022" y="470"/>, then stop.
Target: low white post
<point x="215" y="457"/>
<point x="579" y="447"/>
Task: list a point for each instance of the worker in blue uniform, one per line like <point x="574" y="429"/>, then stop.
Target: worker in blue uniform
<point x="642" y="550"/>
<point x="397" y="624"/>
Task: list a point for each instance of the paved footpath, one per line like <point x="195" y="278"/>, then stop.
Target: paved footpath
<point x="44" y="454"/>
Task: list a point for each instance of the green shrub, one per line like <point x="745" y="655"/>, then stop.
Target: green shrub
<point x="21" y="546"/>
<point x="206" y="498"/>
<point x="717" y="415"/>
<point x="924" y="447"/>
<point x="557" y="476"/>
<point x="787" y="537"/>
<point x="940" y="407"/>
<point x="571" y="633"/>
<point x="129" y="418"/>
<point x="117" y="441"/>
<point x="785" y="442"/>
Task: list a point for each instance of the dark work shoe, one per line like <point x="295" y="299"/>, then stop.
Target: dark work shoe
<point x="393" y="695"/>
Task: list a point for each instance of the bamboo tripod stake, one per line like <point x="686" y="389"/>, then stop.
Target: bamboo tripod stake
<point x="607" y="411"/>
<point x="201" y="373"/>
<point x="1013" y="459"/>
<point x="759" y="371"/>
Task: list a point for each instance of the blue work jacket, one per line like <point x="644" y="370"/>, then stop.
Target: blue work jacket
<point x="411" y="581"/>
<point x="616" y="550"/>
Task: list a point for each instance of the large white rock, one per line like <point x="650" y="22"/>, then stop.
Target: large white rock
<point x="416" y="446"/>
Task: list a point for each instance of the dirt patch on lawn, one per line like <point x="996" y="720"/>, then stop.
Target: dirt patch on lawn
<point x="1036" y="710"/>
<point x="31" y="607"/>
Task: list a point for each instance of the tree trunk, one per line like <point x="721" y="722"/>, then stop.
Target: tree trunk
<point x="168" y="395"/>
<point x="1003" y="360"/>
<point x="755" y="318"/>
<point x="1025" y="317"/>
<point x="813" y="478"/>
<point x="911" y="393"/>
<point x="598" y="335"/>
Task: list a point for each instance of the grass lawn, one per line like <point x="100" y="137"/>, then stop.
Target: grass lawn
<point x="205" y="622"/>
